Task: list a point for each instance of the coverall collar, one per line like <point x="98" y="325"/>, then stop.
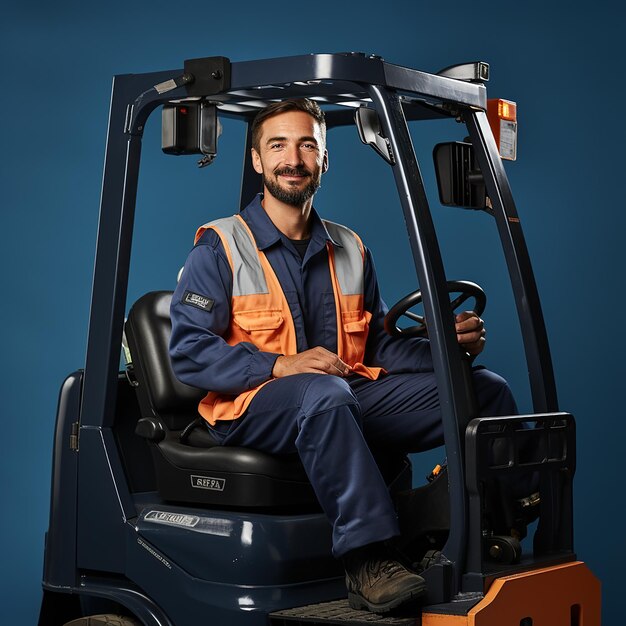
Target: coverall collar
<point x="266" y="234"/>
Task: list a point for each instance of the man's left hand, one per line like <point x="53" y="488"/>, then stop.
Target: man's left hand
<point x="470" y="332"/>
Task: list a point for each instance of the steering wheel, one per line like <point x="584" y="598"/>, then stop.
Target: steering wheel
<point x="464" y="288"/>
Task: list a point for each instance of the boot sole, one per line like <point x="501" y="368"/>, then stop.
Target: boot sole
<point x="358" y="602"/>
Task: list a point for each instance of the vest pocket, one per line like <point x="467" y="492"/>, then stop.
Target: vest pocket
<point x="356" y="328"/>
<point x="262" y="328"/>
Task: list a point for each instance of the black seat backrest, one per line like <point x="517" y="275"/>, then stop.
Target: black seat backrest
<point x="160" y="393"/>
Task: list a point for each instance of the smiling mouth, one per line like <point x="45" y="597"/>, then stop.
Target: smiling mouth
<point x="292" y="174"/>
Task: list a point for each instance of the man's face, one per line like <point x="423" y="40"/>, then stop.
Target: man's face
<point x="292" y="157"/>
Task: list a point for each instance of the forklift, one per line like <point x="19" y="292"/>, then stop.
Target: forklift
<point x="153" y="523"/>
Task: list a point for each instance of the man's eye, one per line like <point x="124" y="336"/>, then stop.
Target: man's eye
<point x="309" y="146"/>
<point x="276" y="146"/>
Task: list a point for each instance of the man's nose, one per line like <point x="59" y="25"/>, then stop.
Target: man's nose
<point x="292" y="156"/>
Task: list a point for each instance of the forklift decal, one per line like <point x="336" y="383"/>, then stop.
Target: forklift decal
<point x="154" y="553"/>
<point x="205" y="482"/>
<point x="174" y="519"/>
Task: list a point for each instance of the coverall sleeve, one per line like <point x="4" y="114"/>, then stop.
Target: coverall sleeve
<point x="396" y="354"/>
<point x="200" y="313"/>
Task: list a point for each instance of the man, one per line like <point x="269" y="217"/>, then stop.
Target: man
<point x="279" y="315"/>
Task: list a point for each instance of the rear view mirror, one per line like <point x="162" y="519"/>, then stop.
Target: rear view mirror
<point x="370" y="132"/>
<point x="459" y="179"/>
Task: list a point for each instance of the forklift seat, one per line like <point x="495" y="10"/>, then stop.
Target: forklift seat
<point x="190" y="465"/>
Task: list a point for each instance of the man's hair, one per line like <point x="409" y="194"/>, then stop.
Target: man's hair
<point x="301" y="104"/>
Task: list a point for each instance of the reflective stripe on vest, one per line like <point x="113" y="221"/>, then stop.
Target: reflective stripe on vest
<point x="242" y="254"/>
<point x="348" y="258"/>
<point x="260" y="313"/>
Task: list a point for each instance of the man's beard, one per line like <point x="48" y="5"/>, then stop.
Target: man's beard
<point x="292" y="196"/>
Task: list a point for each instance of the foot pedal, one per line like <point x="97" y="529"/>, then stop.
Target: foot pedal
<point x="336" y="612"/>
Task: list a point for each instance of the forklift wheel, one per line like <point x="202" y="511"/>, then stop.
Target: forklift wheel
<point x="104" y="620"/>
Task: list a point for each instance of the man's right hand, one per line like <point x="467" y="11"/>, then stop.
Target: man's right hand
<point x="314" y="361"/>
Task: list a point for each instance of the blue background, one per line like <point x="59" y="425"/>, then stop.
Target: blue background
<point x="562" y="64"/>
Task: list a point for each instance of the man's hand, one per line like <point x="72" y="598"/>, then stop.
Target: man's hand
<point x="314" y="361"/>
<point x="470" y="332"/>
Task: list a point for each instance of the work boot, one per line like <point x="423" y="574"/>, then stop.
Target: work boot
<point x="378" y="582"/>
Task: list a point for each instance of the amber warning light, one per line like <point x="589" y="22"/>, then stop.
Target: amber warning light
<point x="502" y="116"/>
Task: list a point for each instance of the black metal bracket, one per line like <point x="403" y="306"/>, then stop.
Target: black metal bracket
<point x="516" y="449"/>
<point x="476" y="71"/>
<point x="211" y="75"/>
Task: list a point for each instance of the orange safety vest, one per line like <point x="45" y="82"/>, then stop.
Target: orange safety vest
<point x="260" y="313"/>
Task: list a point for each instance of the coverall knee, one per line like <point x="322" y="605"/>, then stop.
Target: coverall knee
<point x="401" y="412"/>
<point x="318" y="417"/>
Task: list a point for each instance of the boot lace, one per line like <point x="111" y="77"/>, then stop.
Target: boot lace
<point x="387" y="567"/>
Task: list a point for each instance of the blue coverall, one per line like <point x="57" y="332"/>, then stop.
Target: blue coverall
<point x="336" y="425"/>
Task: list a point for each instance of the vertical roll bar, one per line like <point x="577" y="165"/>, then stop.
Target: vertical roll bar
<point x="115" y="233"/>
<point x="541" y="374"/>
<point x="448" y="365"/>
<point x="110" y="281"/>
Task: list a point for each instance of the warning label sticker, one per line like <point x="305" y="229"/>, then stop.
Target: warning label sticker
<point x="508" y="140"/>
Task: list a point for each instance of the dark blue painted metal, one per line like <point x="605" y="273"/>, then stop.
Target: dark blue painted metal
<point x="535" y="337"/>
<point x="243" y="548"/>
<point x="104" y="503"/>
<point x="110" y="281"/>
<point x="129" y="596"/>
<point x="100" y="514"/>
<point x="231" y="568"/>
<point x="453" y="394"/>
<point x="60" y="555"/>
<point x="437" y="88"/>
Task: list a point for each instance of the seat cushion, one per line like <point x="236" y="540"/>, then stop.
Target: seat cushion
<point x="230" y="477"/>
<point x="230" y="459"/>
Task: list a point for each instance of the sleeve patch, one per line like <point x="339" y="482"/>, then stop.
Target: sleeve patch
<point x="196" y="300"/>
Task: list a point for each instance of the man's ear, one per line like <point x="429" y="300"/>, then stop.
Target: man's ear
<point x="256" y="161"/>
<point x="325" y="162"/>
